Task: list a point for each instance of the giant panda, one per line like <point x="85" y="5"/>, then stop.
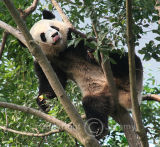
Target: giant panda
<point x="75" y="64"/>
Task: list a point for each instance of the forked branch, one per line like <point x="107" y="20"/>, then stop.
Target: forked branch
<point x="29" y="10"/>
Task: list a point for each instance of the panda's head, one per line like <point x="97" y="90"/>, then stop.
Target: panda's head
<point x="50" y="34"/>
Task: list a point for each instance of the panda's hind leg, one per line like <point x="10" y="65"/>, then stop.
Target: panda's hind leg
<point x="96" y="112"/>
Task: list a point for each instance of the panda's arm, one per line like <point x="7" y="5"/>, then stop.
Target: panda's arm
<point x="44" y="86"/>
<point x="45" y="90"/>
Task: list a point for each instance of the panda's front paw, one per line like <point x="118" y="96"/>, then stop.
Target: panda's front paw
<point x="42" y="102"/>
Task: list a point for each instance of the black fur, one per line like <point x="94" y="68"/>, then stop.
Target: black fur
<point x="48" y="15"/>
<point x="55" y="34"/>
<point x="120" y="69"/>
<point x="43" y="37"/>
<point x="97" y="108"/>
<point x="44" y="86"/>
<point x="54" y="27"/>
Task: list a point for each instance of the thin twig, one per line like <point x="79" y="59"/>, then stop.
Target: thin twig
<point x="95" y="30"/>
<point x="41" y="142"/>
<point x="31" y="134"/>
<point x="6" y="118"/>
<point x="4" y="39"/>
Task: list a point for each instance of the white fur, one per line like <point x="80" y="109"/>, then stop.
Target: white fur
<point x="44" y="26"/>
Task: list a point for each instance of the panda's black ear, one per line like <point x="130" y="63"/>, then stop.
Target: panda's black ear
<point x="47" y="14"/>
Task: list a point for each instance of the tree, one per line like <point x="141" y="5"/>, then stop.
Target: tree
<point x="18" y="83"/>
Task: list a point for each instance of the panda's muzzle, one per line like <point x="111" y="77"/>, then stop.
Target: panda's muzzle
<point x="55" y="38"/>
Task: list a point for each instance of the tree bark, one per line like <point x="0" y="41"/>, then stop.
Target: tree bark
<point x="132" y="76"/>
<point x="5" y="35"/>
<point x="13" y="31"/>
<point x="151" y="97"/>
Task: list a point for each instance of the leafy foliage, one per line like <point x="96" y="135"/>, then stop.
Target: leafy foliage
<point x="18" y="83"/>
<point x="151" y="120"/>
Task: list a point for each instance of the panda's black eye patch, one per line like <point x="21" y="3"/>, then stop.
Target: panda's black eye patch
<point x="56" y="28"/>
<point x="43" y="37"/>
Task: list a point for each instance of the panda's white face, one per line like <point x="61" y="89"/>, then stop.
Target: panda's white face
<point x="51" y="35"/>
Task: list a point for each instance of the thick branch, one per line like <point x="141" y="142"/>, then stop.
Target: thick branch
<point x="126" y="122"/>
<point x="13" y="31"/>
<point x="132" y="76"/>
<point x="30" y="134"/>
<point x="42" y="115"/>
<point x="82" y="136"/>
<point x="4" y="39"/>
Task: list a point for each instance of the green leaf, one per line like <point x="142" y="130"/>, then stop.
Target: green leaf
<point x="77" y="41"/>
<point x="157" y="38"/>
<point x="112" y="61"/>
<point x="50" y="7"/>
<point x="70" y="43"/>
